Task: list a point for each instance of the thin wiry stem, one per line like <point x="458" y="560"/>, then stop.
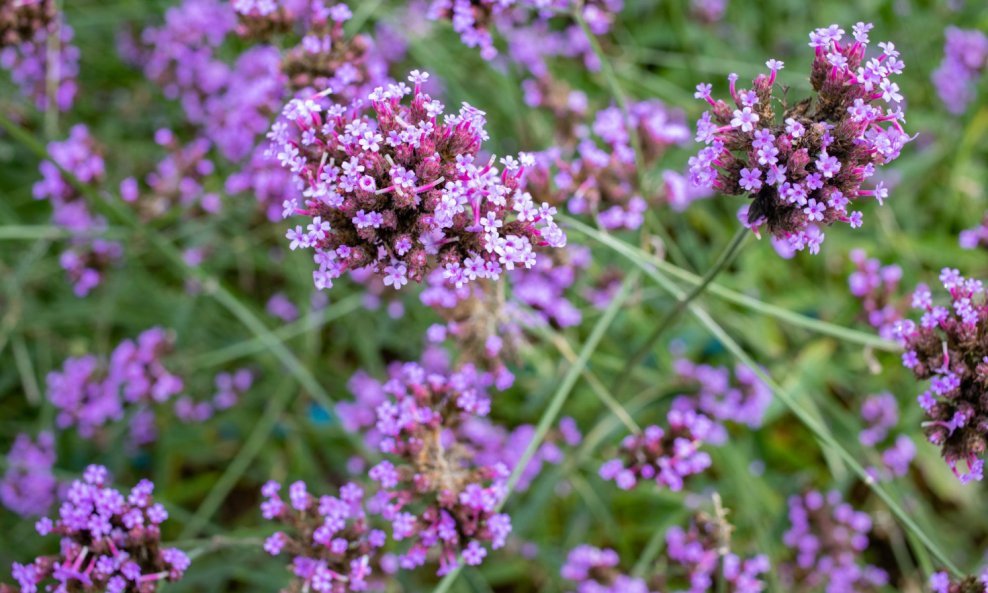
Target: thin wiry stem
<point x="843" y="333"/>
<point x="726" y="257"/>
<point x="808" y="419"/>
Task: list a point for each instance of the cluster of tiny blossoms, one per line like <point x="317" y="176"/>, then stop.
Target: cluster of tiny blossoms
<point x="804" y="169"/>
<point x="828" y="537"/>
<point x="722" y="396"/>
<point x="595" y="570"/>
<point x="599" y="174"/>
<point x="88" y="394"/>
<point x="88" y="256"/>
<point x="111" y="542"/>
<point x="28" y="485"/>
<point x="965" y="57"/>
<point x="403" y="192"/>
<point x="26" y="53"/>
<point x="877" y="287"/>
<point x="667" y="456"/>
<point x="432" y="489"/>
<point x="880" y="413"/>
<point x="949" y="347"/>
<point x="333" y="547"/>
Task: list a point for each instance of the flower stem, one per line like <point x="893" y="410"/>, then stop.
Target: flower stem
<point x="726" y="257"/>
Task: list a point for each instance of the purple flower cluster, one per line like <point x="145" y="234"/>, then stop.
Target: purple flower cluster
<point x="599" y="174"/>
<point x="230" y="387"/>
<point x="949" y="347"/>
<point x="708" y="11"/>
<point x="877" y="287"/>
<point x="111" y="542"/>
<point x="177" y="180"/>
<point x="829" y="537"/>
<point x="332" y="545"/>
<point x="699" y="554"/>
<point x="20" y="19"/>
<point x="667" y="456"/>
<point x="28" y="486"/>
<point x="881" y="414"/>
<point x="595" y="570"/>
<point x="722" y="396"/>
<point x="88" y="394"/>
<point x="941" y="582"/>
<point x="965" y="57"/>
<point x="976" y="237"/>
<point x="27" y="60"/>
<point x="403" y="193"/>
<point x="327" y="58"/>
<point x="88" y="256"/>
<point x="437" y="496"/>
<point x="805" y="170"/>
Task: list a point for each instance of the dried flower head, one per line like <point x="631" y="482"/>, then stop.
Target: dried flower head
<point x="20" y="19"/>
<point x="802" y="170"/>
<point x="941" y="582"/>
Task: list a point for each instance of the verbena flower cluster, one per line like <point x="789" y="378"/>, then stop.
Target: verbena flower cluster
<point x="965" y="58"/>
<point x="403" y="192"/>
<point x="598" y="174"/>
<point x="722" y="396"/>
<point x="828" y="537"/>
<point x="877" y="287"/>
<point x="89" y="255"/>
<point x="595" y="570"/>
<point x="805" y="168"/>
<point x="28" y="486"/>
<point x="665" y="455"/>
<point x="110" y="542"/>
<point x="698" y="556"/>
<point x="36" y="49"/>
<point x="433" y="491"/>
<point x="88" y="394"/>
<point x="880" y="413"/>
<point x="949" y="347"/>
<point x="332" y="545"/>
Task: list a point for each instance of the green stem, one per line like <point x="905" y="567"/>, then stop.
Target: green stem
<point x="213" y="287"/>
<point x="819" y="431"/>
<point x="556" y="404"/>
<point x="726" y="257"/>
<point x="737" y="298"/>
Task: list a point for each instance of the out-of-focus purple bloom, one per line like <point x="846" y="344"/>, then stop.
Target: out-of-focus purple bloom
<point x="976" y="237"/>
<point x="828" y="537"/>
<point x="877" y="287"/>
<point x="87" y="257"/>
<point x="667" y="456"/>
<point x="230" y="387"/>
<point x="965" y="57"/>
<point x="698" y="554"/>
<point x="89" y="394"/>
<point x="596" y="570"/>
<point x="282" y="307"/>
<point x="28" y="486"/>
<point x="28" y="62"/>
<point x="881" y="414"/>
